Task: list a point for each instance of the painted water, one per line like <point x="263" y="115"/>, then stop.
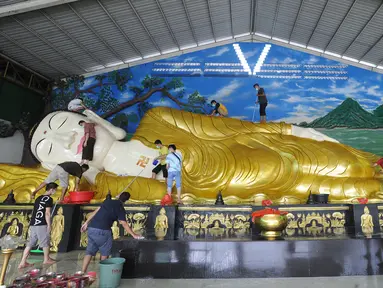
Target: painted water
<point x="370" y="140"/>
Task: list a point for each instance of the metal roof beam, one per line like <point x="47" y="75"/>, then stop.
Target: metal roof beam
<point x="190" y="23"/>
<point x="71" y="38"/>
<point x="144" y="26"/>
<point x="211" y="20"/>
<point x="231" y="18"/>
<point x="275" y="17"/>
<point x="371" y="47"/>
<point x="31" y="5"/>
<point x="340" y="25"/>
<point x="316" y="25"/>
<point x="364" y="28"/>
<point x="32" y="53"/>
<point x="167" y="24"/>
<point x="252" y="10"/>
<point x="21" y="23"/>
<point x="296" y="19"/>
<point x="119" y="28"/>
<point x="96" y="34"/>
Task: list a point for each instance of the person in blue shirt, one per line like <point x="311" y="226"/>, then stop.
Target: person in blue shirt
<point x="99" y="225"/>
<point x="174" y="167"/>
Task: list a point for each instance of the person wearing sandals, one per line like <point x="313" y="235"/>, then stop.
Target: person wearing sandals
<point x="174" y="167"/>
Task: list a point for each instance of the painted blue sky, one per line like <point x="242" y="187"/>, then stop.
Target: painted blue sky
<point x="290" y="100"/>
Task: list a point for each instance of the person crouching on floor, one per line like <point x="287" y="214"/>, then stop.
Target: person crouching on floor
<point x="99" y="225"/>
<point x="40" y="226"/>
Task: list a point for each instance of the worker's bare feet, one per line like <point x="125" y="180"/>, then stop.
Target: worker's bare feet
<point x="50" y="261"/>
<point x="25" y="265"/>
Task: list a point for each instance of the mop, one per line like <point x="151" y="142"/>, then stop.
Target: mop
<point x="254" y="112"/>
<point x="131" y="182"/>
<point x="38" y="250"/>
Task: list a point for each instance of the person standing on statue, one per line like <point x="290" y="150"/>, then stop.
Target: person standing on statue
<point x="162" y="158"/>
<point x="61" y="172"/>
<point x="262" y="101"/>
<point x="174" y="166"/>
<point x="99" y="225"/>
<point x="40" y="226"/>
<point x="88" y="141"/>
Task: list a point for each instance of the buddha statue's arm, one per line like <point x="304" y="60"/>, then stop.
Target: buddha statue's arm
<point x="117" y="132"/>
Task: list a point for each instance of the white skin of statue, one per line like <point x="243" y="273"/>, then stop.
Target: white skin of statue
<point x="58" y="135"/>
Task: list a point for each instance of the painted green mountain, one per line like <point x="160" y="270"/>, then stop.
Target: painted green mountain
<point x="349" y="114"/>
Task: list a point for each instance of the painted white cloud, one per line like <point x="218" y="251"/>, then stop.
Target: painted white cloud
<point x="312" y="60"/>
<point x="164" y="103"/>
<point x="287" y="60"/>
<point x="374" y="91"/>
<point x="127" y="95"/>
<point x="191" y="59"/>
<point x="303" y="113"/>
<point x="220" y="52"/>
<point x="298" y="86"/>
<point x="239" y="117"/>
<point x="224" y="93"/>
<point x="300" y="99"/>
<point x="89" y="82"/>
<point x="250" y="54"/>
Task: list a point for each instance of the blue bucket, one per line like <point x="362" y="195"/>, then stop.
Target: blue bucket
<point x="155" y="162"/>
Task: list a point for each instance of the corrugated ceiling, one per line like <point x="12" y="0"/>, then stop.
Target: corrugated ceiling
<point x="97" y="35"/>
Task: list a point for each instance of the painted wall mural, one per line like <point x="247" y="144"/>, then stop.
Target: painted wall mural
<point x="341" y="101"/>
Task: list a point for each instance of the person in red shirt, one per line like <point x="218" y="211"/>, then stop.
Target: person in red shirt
<point x="89" y="141"/>
<point x="380" y="163"/>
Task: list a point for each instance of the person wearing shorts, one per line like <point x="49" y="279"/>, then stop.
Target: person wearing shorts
<point x="99" y="225"/>
<point x="89" y="141"/>
<point x="262" y="101"/>
<point x="174" y="166"/>
<point x="162" y="158"/>
<point x="40" y="226"/>
<point x="61" y="172"/>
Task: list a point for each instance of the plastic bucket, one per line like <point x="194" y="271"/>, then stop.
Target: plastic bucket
<point x="110" y="272"/>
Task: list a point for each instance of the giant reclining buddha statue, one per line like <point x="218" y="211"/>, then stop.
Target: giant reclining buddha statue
<point x="248" y="162"/>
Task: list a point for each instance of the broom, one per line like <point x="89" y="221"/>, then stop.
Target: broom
<point x="38" y="250"/>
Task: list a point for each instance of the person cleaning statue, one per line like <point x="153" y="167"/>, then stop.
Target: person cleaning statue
<point x="61" y="172"/>
<point x="162" y="158"/>
<point x="88" y="141"/>
<point x="77" y="105"/>
<point x="174" y="166"/>
<point x="219" y="109"/>
<point x="40" y="226"/>
<point x="262" y="101"/>
<point x="99" y="225"/>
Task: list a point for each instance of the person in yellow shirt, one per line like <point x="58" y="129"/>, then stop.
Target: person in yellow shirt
<point x="218" y="109"/>
<point x="162" y="158"/>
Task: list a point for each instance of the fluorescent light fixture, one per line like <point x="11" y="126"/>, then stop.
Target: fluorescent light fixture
<point x="241" y="35"/>
<point x="188" y="46"/>
<point x="242" y="58"/>
<point x="133" y="60"/>
<point x="261" y="59"/>
<point x="170" y="51"/>
<point x="367" y="64"/>
<point x="332" y="54"/>
<point x="152" y="55"/>
<point x="262" y="35"/>
<point x="379" y="67"/>
<point x="280" y="39"/>
<point x="114" y="64"/>
<point x="315" y="49"/>
<point x="350" y="59"/>
<point x="224" y="38"/>
<point x="206" y="42"/>
<point x="297" y="44"/>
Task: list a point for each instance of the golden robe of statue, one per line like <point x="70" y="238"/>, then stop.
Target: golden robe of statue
<point x="247" y="161"/>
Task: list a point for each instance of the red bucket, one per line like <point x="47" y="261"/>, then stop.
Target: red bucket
<point x="81" y="196"/>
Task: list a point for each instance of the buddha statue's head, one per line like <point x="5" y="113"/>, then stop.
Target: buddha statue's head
<point x="57" y="137"/>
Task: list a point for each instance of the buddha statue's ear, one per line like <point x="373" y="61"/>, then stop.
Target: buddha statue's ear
<point x="48" y="166"/>
<point x="117" y="132"/>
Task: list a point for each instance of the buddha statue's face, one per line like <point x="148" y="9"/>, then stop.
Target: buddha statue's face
<point x="58" y="136"/>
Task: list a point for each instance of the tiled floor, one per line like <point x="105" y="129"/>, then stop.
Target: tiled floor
<point x="71" y="262"/>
